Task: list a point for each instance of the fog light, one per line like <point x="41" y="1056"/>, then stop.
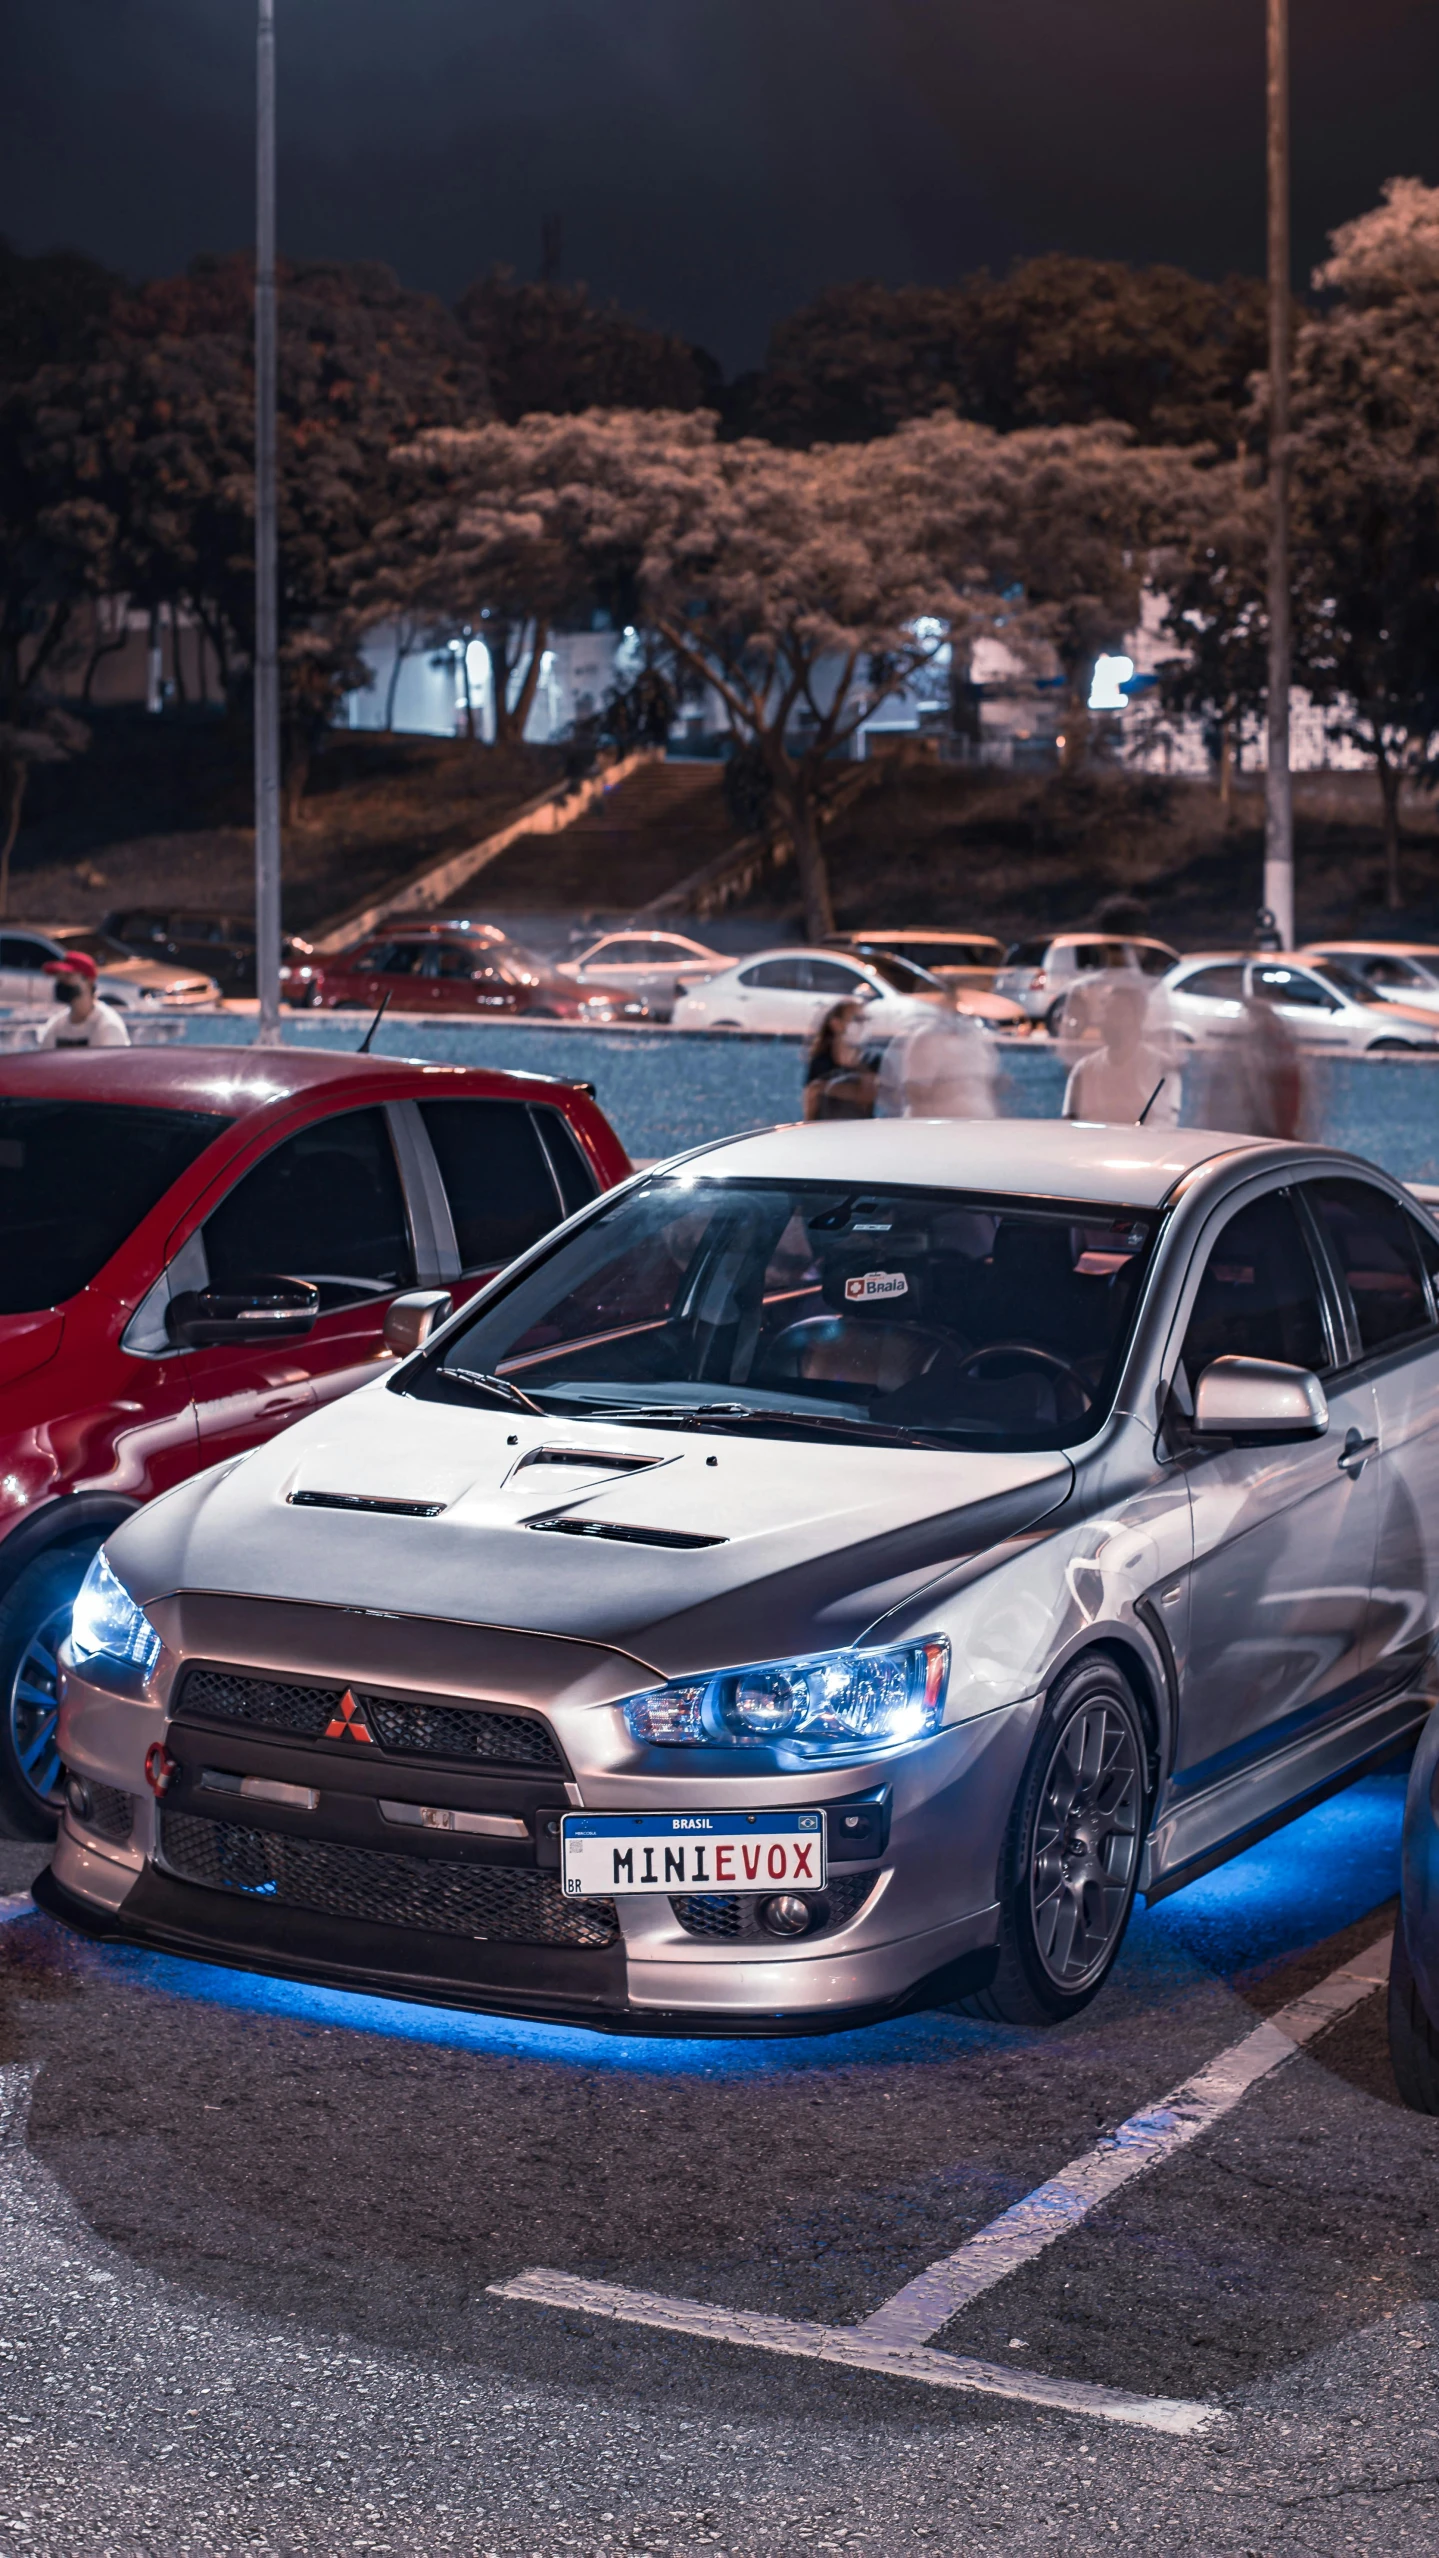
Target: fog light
<point x="77" y="1795"/>
<point x="786" y="1915"/>
<point x="160" y="1769"/>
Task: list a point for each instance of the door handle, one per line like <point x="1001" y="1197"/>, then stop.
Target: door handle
<point x="1356" y="1453"/>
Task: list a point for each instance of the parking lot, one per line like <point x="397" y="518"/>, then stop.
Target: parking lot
<point x="253" y="2235"/>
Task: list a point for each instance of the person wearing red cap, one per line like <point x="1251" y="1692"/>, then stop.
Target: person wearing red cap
<point x="86" y="1022"/>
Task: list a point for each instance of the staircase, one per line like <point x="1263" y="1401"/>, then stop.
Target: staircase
<point x="631" y="846"/>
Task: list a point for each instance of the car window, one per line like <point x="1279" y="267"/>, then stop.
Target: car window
<point x="569" y="1162"/>
<point x="1152" y="957"/>
<point x="1028" y="954"/>
<point x="1377" y="1246"/>
<point x="1259" y="1296"/>
<point x="1224" y="983"/>
<point x="18" y="951"/>
<point x="391" y="958"/>
<point x="75" y="1179"/>
<point x="1381" y="969"/>
<point x="629" y="954"/>
<point x="1292" y="986"/>
<point x="325" y="1205"/>
<point x="497" y="1177"/>
<point x="903" y="974"/>
<point x="101" y="947"/>
<point x="789" y="975"/>
<point x="454" y="959"/>
<point x="995" y="1322"/>
<point x="827" y="977"/>
<point x="1337" y="972"/>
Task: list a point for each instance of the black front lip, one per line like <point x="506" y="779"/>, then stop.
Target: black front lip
<point x="546" y="1985"/>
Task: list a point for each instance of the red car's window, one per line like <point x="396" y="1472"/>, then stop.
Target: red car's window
<point x="497" y="1178"/>
<point x="75" y="1179"/>
<point x="326" y="1205"/>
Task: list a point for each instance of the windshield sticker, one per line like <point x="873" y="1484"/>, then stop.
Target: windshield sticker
<point x="876" y="1283"/>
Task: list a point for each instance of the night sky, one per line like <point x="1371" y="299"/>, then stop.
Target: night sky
<point x="713" y="162"/>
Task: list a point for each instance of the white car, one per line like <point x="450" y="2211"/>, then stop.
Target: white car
<point x="1402" y="972"/>
<point x="658" y="966"/>
<point x="792" y="990"/>
<point x="1041" y="975"/>
<point x="1324" y="1006"/>
<point x="125" y="977"/>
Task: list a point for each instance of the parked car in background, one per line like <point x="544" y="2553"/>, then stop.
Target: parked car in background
<point x="1414" y="1963"/>
<point x="222" y="944"/>
<point x="792" y="990"/>
<point x="658" y="967"/>
<point x="198" y="1245"/>
<point x="124" y="979"/>
<point x="1324" y="1006"/>
<point x="449" y="968"/>
<point x="1038" y="975"/>
<point x="970" y="960"/>
<point x="1402" y="972"/>
<point x="970" y="988"/>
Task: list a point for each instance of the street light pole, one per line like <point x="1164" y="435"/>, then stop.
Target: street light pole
<point x="267" y="641"/>
<point x="1278" y="787"/>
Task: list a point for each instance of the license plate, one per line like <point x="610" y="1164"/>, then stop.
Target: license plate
<point x="610" y="1852"/>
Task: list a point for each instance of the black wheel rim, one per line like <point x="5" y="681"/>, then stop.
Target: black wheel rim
<point x="1086" y="1844"/>
<point x="34" y="1705"/>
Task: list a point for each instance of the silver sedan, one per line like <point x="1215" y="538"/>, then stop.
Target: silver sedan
<point x="1325" y="1003"/>
<point x="835" y="1572"/>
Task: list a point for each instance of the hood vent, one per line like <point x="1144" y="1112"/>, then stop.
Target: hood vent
<point x="594" y="1460"/>
<point x="366" y="1501"/>
<point x="621" y="1536"/>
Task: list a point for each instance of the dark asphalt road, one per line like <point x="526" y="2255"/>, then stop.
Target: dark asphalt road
<point x="248" y="2232"/>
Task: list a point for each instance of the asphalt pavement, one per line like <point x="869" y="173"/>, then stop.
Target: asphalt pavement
<point x="251" y="2233"/>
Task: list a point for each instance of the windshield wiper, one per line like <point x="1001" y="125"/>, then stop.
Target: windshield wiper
<point x="736" y="1416"/>
<point x="661" y="1411"/>
<point x="499" y="1387"/>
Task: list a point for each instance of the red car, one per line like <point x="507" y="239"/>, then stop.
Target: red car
<point x="201" y="1244"/>
<point x="463" y="968"/>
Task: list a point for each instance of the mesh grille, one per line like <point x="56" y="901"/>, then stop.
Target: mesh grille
<point x="731" y="1914"/>
<point x="425" y="1731"/>
<point x="501" y="1904"/>
<point x="111" y="1814"/>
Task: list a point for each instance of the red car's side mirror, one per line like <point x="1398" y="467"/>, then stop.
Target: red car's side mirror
<point x="273" y="1310"/>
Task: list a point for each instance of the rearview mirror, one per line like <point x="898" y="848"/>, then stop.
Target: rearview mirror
<point x="1259" y="1402"/>
<point x="410" y="1320"/>
<point x="272" y="1310"/>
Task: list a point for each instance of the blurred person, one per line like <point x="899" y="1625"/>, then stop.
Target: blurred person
<point x="1251" y="1076"/>
<point x="86" y="1022"/>
<point x="1125" y="1066"/>
<point x="942" y="1069"/>
<point x="839" y="1080"/>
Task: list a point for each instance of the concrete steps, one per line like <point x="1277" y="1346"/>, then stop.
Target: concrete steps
<point x="629" y="847"/>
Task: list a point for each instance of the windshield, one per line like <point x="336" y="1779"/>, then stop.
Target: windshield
<point x="101" y="947"/>
<point x="901" y="974"/>
<point x="939" y="1316"/>
<point x="75" y="1178"/>
<point x="1338" y="973"/>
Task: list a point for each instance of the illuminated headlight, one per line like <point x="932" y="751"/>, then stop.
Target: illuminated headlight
<point x="107" y="1625"/>
<point x="827" y="1705"/>
<point x="598" y="1007"/>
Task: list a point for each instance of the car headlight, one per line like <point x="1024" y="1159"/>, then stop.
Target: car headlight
<point x="107" y="1625"/>
<point x="825" y="1705"/>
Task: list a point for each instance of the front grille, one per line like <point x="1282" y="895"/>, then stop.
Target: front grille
<point x="420" y="1731"/>
<point x="732" y="1914"/>
<point x="499" y="1904"/>
<point x="111" y="1814"/>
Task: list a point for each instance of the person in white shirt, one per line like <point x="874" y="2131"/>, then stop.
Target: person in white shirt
<point x="86" y="1022"/>
<point x="1131" y="1075"/>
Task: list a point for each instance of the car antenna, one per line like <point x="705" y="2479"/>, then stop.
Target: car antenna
<point x="1139" y="1123"/>
<point x="363" y="1048"/>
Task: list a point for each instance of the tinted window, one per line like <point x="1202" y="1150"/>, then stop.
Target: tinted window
<point x="1259" y="1297"/>
<point x="791" y="974"/>
<point x="1377" y="1246"/>
<point x="1292" y="986"/>
<point x="455" y="959"/>
<point x="1223" y="983"/>
<point x="326" y="1205"/>
<point x="393" y="958"/>
<point x="1152" y="958"/>
<point x="1382" y="971"/>
<point x="571" y="1165"/>
<point x="75" y="1178"/>
<point x="904" y="975"/>
<point x="1029" y="954"/>
<point x="1098" y="954"/>
<point x="826" y="977"/>
<point x="972" y="1320"/>
<point x="18" y="952"/>
<point x="497" y="1177"/>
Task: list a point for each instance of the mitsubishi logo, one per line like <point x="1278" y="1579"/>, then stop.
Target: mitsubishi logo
<point x="348" y="1721"/>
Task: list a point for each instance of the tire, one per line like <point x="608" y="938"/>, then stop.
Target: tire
<point x="34" y="1619"/>
<point x="1063" y="1913"/>
<point x="1054" y="1018"/>
<point x="1413" y="2034"/>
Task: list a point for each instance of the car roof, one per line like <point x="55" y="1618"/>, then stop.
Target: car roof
<point x="1043" y="1158"/>
<point x="911" y="932"/>
<point x="237" y="1081"/>
<point x="801" y="950"/>
<point x="1096" y="932"/>
<point x="1379" y="949"/>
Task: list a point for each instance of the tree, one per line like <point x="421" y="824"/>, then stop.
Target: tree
<point x="57" y="536"/>
<point x="546" y="348"/>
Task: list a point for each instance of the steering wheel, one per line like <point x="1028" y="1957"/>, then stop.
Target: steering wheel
<point x="1028" y="1350"/>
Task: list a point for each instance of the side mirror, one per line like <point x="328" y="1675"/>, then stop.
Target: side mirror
<point x="273" y="1310"/>
<point x="410" y="1320"/>
<point x="1259" y="1402"/>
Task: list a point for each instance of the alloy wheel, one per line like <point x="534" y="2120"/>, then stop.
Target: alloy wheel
<point x="35" y="1703"/>
<point x="1086" y="1844"/>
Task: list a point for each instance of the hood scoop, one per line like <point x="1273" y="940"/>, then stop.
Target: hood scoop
<point x="618" y="1535"/>
<point x="366" y="1501"/>
<point x="591" y="1460"/>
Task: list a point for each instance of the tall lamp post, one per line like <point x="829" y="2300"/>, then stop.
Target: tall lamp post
<point x="267" y="632"/>
<point x="1278" y="788"/>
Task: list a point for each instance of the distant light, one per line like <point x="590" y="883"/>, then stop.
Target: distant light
<point x="1109" y="674"/>
<point x="630" y="632"/>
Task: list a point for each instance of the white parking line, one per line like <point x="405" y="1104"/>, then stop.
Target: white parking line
<point x="894" y="2338"/>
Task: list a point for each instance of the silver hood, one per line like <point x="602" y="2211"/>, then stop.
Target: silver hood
<point x="681" y="1548"/>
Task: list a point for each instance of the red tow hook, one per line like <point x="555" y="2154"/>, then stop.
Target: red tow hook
<point x="160" y="1769"/>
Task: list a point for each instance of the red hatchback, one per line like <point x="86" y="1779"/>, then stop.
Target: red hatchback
<point x="455" y="968"/>
<point x="198" y="1245"/>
